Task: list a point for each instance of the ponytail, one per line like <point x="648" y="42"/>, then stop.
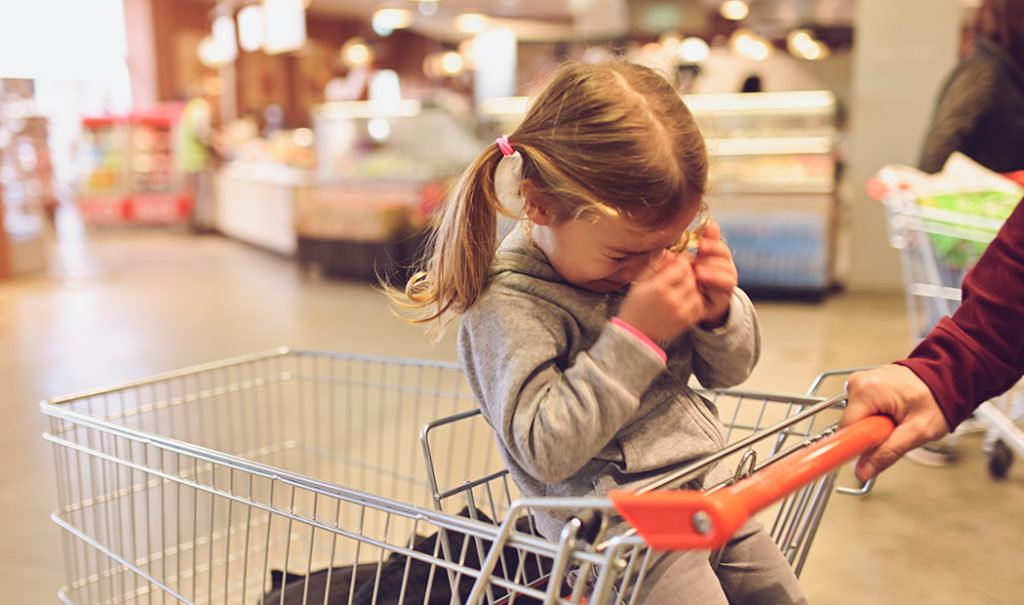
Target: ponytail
<point x="457" y="259"/>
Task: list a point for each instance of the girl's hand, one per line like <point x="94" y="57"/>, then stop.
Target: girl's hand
<point x="665" y="302"/>
<point x="716" y="276"/>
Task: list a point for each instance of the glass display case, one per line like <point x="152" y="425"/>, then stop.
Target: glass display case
<point x="773" y="167"/>
<point x="773" y="182"/>
<point x="380" y="171"/>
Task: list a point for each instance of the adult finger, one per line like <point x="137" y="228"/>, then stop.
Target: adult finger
<point x="904" y="438"/>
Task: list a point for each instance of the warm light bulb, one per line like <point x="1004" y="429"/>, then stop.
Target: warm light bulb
<point x="386" y="20"/>
<point x="451" y="63"/>
<point x="355" y="53"/>
<point x="799" y="41"/>
<point x="284" y="25"/>
<point x="250" y="27"/>
<point x="224" y="38"/>
<point x="734" y="10"/>
<point x="694" y="50"/>
<point x="471" y="23"/>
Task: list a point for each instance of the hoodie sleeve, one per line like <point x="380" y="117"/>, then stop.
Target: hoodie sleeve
<point x="725" y="356"/>
<point x="552" y="414"/>
<point x="978" y="353"/>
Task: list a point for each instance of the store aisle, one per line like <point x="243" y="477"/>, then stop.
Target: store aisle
<point x="146" y="301"/>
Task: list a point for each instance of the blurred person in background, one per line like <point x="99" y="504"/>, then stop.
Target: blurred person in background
<point x="965" y="360"/>
<point x="980" y="110"/>
<point x="197" y="152"/>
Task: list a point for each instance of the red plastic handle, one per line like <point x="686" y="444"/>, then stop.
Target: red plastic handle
<point x="693" y="520"/>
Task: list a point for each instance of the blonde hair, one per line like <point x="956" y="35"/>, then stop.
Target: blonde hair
<point x="613" y="138"/>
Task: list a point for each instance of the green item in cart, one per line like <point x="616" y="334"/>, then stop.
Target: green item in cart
<point x="974" y="217"/>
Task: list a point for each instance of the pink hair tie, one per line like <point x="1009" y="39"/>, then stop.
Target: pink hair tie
<point x="504" y="145"/>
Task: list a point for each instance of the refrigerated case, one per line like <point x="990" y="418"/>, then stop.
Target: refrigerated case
<point x="773" y="182"/>
<point x="127" y="169"/>
<point x="773" y="185"/>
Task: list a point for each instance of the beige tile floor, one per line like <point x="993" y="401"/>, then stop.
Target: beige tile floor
<point x="125" y="304"/>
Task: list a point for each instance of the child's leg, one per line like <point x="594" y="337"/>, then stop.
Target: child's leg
<point x="681" y="578"/>
<point x="753" y="570"/>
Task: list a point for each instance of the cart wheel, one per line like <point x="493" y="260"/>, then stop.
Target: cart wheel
<point x="1000" y="459"/>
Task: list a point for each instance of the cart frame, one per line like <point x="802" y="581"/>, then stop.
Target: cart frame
<point x="210" y="484"/>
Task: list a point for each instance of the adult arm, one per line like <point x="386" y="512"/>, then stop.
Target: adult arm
<point x="965" y="360"/>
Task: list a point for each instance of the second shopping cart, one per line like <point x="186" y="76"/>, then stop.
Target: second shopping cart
<point x="939" y="237"/>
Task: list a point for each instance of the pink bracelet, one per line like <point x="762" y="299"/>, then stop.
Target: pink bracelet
<point x="643" y="337"/>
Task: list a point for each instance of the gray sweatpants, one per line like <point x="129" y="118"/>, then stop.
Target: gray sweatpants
<point x="752" y="570"/>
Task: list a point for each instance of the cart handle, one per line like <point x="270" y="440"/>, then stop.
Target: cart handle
<point x="695" y="520"/>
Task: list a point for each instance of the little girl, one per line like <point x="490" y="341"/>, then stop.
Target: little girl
<point x="580" y="330"/>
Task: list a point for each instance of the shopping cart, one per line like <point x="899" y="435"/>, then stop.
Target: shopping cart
<point x="296" y="477"/>
<point x="937" y="247"/>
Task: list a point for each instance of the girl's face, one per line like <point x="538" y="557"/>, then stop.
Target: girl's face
<point x="599" y="253"/>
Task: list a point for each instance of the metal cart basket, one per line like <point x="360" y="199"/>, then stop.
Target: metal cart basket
<point x="296" y="477"/>
<point x="938" y="246"/>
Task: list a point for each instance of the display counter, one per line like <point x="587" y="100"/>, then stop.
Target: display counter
<point x="362" y="207"/>
<point x="772" y="182"/>
<point x="380" y="173"/>
<point x="772" y="187"/>
<point x="256" y="203"/>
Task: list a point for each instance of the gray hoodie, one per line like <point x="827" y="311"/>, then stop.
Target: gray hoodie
<point x="579" y="405"/>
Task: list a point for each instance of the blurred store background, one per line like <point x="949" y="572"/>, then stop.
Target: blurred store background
<point x="142" y="140"/>
<point x="325" y="130"/>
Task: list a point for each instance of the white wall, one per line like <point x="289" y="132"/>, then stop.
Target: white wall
<point x="902" y="53"/>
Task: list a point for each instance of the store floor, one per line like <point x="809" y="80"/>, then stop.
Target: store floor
<point x="127" y="303"/>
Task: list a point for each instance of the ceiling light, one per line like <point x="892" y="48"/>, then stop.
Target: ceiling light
<point x="386" y="20"/>
<point x="207" y="51"/>
<point x="734" y="10"/>
<point x="451" y="63"/>
<point x="799" y="39"/>
<point x="801" y="43"/>
<point x="471" y="23"/>
<point x="694" y="50"/>
<point x="427" y="8"/>
<point x="224" y="38"/>
<point x="250" y="27"/>
<point x="355" y="53"/>
<point x="284" y="26"/>
<point x="749" y="44"/>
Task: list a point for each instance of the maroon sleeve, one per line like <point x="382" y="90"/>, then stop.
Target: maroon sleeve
<point x="979" y="352"/>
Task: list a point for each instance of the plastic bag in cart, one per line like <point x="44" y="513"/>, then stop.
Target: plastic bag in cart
<point x="957" y="252"/>
<point x="961" y="191"/>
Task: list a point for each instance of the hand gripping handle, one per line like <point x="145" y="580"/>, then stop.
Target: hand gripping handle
<point x="694" y="520"/>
